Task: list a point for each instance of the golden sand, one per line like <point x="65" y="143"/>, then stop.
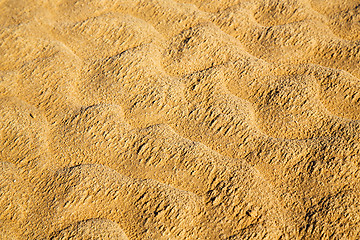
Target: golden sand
<point x="187" y="119"/>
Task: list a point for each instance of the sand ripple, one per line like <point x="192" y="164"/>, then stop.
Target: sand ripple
<point x="189" y="119"/>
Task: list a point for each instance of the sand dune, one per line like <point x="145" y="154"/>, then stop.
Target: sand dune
<point x="188" y="119"/>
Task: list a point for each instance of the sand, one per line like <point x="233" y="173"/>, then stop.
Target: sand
<point x="187" y="119"/>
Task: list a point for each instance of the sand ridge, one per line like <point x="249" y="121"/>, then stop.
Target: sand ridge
<point x="188" y="119"/>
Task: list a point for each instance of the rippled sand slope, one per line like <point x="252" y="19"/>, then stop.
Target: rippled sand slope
<point x="187" y="119"/>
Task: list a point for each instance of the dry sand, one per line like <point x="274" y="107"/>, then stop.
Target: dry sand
<point x="187" y="119"/>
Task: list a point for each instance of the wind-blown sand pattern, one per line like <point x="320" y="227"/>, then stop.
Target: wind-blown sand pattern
<point x="187" y="119"/>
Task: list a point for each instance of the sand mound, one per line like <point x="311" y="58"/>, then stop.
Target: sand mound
<point x="188" y="119"/>
<point x="92" y="229"/>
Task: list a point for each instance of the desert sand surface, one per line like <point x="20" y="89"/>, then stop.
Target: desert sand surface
<point x="186" y="119"/>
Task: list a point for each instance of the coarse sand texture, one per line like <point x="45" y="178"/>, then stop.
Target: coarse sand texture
<point x="179" y="119"/>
